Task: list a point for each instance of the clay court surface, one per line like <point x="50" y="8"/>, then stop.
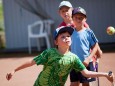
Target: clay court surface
<point x="28" y="76"/>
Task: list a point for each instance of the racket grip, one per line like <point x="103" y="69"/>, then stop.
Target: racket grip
<point x="109" y="73"/>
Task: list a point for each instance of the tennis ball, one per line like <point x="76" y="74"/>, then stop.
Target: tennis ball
<point x="110" y="30"/>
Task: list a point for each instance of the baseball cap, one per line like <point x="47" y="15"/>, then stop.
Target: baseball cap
<point x="78" y="10"/>
<point x="65" y="3"/>
<point x="63" y="29"/>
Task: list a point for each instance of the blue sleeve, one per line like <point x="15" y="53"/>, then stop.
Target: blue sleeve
<point x="93" y="39"/>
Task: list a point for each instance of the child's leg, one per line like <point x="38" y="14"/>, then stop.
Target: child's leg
<point x="75" y="83"/>
<point x="85" y="84"/>
<point x="74" y="78"/>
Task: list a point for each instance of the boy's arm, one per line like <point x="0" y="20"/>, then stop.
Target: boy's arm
<point x="25" y="65"/>
<point x="93" y="52"/>
<point x="92" y="74"/>
<point x="99" y="52"/>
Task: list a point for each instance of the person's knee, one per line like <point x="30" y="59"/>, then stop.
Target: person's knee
<point x="85" y="84"/>
<point x="75" y="84"/>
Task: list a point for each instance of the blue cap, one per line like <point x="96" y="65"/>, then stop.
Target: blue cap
<point x="63" y="29"/>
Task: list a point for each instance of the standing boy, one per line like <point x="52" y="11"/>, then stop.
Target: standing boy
<point x="83" y="40"/>
<point x="65" y="11"/>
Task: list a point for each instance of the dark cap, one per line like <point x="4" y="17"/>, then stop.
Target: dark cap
<point x="63" y="29"/>
<point x="78" y="10"/>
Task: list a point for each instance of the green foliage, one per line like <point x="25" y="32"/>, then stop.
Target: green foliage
<point x="2" y="39"/>
<point x="1" y="11"/>
<point x="1" y="18"/>
<point x="1" y="29"/>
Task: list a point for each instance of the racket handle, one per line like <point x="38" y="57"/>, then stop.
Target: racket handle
<point x="110" y="73"/>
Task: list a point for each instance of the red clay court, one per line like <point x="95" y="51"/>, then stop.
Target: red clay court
<point x="28" y="76"/>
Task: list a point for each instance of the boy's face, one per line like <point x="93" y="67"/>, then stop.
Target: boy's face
<point x="65" y="12"/>
<point x="79" y="20"/>
<point x="63" y="40"/>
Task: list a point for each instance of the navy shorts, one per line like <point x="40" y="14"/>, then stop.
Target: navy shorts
<point x="77" y="76"/>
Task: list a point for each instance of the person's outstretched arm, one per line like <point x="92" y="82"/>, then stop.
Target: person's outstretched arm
<point x="87" y="73"/>
<point x="25" y="65"/>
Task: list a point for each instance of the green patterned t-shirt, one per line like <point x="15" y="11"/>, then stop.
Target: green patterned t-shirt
<point x="56" y="67"/>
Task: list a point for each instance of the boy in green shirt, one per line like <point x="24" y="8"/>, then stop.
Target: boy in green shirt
<point x="58" y="62"/>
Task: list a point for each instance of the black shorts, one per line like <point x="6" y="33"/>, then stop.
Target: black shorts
<point x="77" y="76"/>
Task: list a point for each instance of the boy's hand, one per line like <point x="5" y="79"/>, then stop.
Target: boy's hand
<point x="9" y="75"/>
<point x="110" y="77"/>
<point x="99" y="53"/>
<point x="86" y="62"/>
